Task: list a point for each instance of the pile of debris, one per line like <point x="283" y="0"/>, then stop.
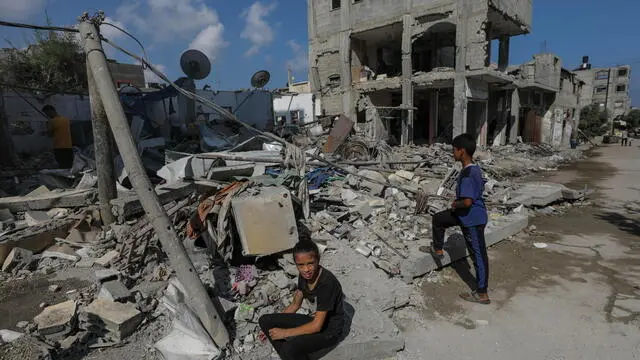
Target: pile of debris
<point x="239" y="214"/>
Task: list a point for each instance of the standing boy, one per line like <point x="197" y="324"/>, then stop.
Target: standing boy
<point x="60" y="130"/>
<point x="470" y="213"/>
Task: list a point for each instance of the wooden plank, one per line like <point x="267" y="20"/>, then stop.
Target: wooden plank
<point x="64" y="199"/>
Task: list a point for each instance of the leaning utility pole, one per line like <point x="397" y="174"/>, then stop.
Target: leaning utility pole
<point x="103" y="148"/>
<point x="198" y="298"/>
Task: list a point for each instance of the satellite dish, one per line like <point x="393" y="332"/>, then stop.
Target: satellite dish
<point x="195" y="64"/>
<point x="260" y="79"/>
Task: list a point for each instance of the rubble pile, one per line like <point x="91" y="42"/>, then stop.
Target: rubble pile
<point x="237" y="220"/>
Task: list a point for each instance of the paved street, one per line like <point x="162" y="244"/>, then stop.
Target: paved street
<point x="579" y="298"/>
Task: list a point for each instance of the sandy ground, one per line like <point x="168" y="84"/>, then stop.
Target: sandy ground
<point x="579" y="298"/>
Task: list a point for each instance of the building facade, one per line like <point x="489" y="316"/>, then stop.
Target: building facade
<point x="607" y="87"/>
<point x="416" y="70"/>
<point x="549" y="98"/>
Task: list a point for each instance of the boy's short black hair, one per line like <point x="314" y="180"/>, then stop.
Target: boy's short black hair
<point x="47" y="108"/>
<point x="305" y="246"/>
<point x="466" y="142"/>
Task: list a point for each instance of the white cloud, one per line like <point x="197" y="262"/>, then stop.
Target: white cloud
<point x="150" y="77"/>
<point x="168" y="20"/>
<point x="257" y="30"/>
<point x="110" y="32"/>
<point x="20" y="9"/>
<point x="210" y="41"/>
<point x="300" y="60"/>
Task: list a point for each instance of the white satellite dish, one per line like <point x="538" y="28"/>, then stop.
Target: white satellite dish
<point x="195" y="64"/>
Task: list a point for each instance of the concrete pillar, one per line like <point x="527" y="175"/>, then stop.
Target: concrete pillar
<point x="433" y="114"/>
<point x="460" y="80"/>
<point x="348" y="106"/>
<point x="503" y="53"/>
<point x="407" y="85"/>
<point x="514" y="117"/>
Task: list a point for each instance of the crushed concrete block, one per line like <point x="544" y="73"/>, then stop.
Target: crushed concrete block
<point x="114" y="290"/>
<point x="34" y="218"/>
<point x="348" y="195"/>
<point x="244" y="312"/>
<point x="61" y="251"/>
<point x="268" y="215"/>
<point x="404" y="174"/>
<point x="117" y="319"/>
<point x="364" y="210"/>
<point x="18" y="259"/>
<point x="104" y="275"/>
<point x="22" y="324"/>
<point x="279" y="279"/>
<point x="396" y="180"/>
<point x="107" y="258"/>
<point x="6" y="219"/>
<point x="41" y="190"/>
<point x="57" y="320"/>
<point x="54" y="287"/>
<point x="8" y="336"/>
<point x="373" y="188"/>
<point x="376" y="203"/>
<point x="34" y="239"/>
<point x="227" y="305"/>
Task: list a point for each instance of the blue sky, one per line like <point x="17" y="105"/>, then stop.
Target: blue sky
<point x="243" y="36"/>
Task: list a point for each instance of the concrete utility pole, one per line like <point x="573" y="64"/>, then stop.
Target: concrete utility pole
<point x="198" y="297"/>
<point x="102" y="143"/>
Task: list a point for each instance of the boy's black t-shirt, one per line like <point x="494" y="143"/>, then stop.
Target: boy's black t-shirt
<point x="326" y="296"/>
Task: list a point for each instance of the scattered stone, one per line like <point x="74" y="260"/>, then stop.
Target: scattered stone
<point x="18" y="259"/>
<point x="34" y="218"/>
<point x="54" y="288"/>
<point x="104" y="275"/>
<point x="114" y="290"/>
<point x="57" y="320"/>
<point x="244" y="312"/>
<point x="404" y="174"/>
<point x="22" y="324"/>
<point x="482" y="322"/>
<point x="61" y="251"/>
<point x="108" y="258"/>
<point x="9" y="336"/>
<point x="111" y="318"/>
<point x="373" y="188"/>
<point x="280" y="279"/>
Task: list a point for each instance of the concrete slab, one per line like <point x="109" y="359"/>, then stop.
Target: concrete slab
<point x="17" y="259"/>
<point x="104" y="316"/>
<point x="537" y="194"/>
<point x="63" y="199"/>
<point x="34" y="239"/>
<point x="266" y="222"/>
<point x="107" y="258"/>
<point x="34" y="218"/>
<point x="127" y="206"/>
<point x="41" y="190"/>
<point x="57" y="320"/>
<point x="61" y="251"/>
<point x="104" y="275"/>
<point x="114" y="290"/>
<point x="455" y="247"/>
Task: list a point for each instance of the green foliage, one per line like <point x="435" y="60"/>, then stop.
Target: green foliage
<point x="633" y="118"/>
<point x="52" y="61"/>
<point x="593" y="121"/>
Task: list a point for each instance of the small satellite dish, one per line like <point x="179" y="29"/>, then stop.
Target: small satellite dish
<point x="195" y="64"/>
<point x="260" y="79"/>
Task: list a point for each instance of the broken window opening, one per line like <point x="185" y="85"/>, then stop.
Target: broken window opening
<point x="334" y="79"/>
<point x="602" y="75"/>
<point x="621" y="88"/>
<point x="601" y="89"/>
<point x="622" y="72"/>
<point x="335" y="4"/>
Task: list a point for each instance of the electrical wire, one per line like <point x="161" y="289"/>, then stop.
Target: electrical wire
<point x="37" y="27"/>
<point x="144" y="51"/>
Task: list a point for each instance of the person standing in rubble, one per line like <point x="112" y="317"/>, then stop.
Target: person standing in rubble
<point x="60" y="130"/>
<point x="296" y="336"/>
<point x="470" y="213"/>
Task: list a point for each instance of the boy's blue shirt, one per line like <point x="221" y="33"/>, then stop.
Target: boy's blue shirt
<point x="471" y="185"/>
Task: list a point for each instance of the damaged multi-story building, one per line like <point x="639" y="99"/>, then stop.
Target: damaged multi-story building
<point x="417" y="70"/>
<point x="549" y="101"/>
<point x="606" y="86"/>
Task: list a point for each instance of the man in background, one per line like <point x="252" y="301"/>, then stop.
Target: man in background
<point x="60" y="131"/>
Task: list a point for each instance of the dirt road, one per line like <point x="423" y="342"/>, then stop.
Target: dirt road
<point x="579" y="298"/>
